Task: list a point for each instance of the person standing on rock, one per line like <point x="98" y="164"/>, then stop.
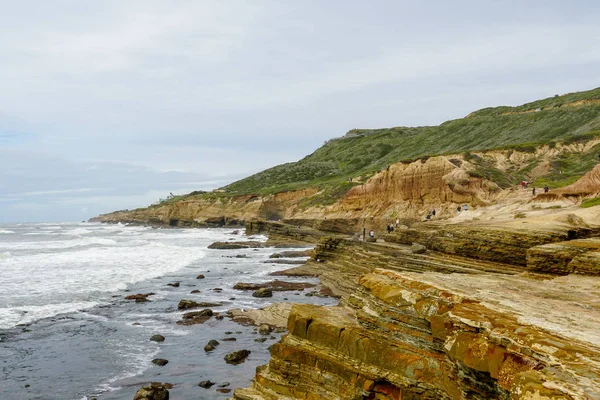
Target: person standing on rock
<point x="364" y="234"/>
<point x="371" y="233"/>
<point x="458" y="209"/>
<point x="546" y="188"/>
<point x="466" y="207"/>
<point x="533" y="192"/>
<point x="397" y="222"/>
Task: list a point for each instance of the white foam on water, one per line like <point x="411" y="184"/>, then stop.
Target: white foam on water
<point x="6" y="231"/>
<point x="10" y="317"/>
<point x="57" y="244"/>
<point x="49" y="272"/>
<point x="77" y="231"/>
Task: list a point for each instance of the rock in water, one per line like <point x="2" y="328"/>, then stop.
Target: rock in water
<point x="206" y="384"/>
<point x="187" y="304"/>
<point x="264" y="292"/>
<point x="200" y="276"/>
<point x="265" y="329"/>
<point x="157" y="338"/>
<point x="210" y="346"/>
<point x="154" y="391"/>
<point x="161" y="362"/>
<point x="237" y="357"/>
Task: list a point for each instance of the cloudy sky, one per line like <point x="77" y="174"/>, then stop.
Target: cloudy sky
<point x="108" y="105"/>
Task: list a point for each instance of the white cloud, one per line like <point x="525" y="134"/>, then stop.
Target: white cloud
<point x="135" y="95"/>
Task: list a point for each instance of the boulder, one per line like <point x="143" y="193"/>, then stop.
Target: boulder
<point x="161" y="362"/>
<point x="235" y="245"/>
<point x="187" y="304"/>
<point x="211" y="345"/>
<point x="194" y="291"/>
<point x="224" y="390"/>
<point x="264" y="292"/>
<point x="154" y="391"/>
<point x="276" y="285"/>
<point x="417" y="248"/>
<point x="173" y="284"/>
<point x="237" y="357"/>
<point x="157" y="338"/>
<point x="206" y="384"/>
<point x="196" y="317"/>
<point x="265" y="329"/>
<point x="139" y="298"/>
<point x="200" y="276"/>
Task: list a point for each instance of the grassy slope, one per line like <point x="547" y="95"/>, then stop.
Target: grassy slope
<point x="362" y="152"/>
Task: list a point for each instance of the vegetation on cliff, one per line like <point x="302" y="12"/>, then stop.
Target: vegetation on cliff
<point x="569" y="118"/>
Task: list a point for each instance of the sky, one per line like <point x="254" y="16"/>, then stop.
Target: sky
<point x="107" y="105"/>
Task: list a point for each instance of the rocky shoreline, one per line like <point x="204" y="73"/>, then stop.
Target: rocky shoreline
<point x="450" y="322"/>
<point x="268" y="322"/>
<point x="508" y="318"/>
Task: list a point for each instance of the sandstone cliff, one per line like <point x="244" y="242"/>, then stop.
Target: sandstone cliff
<point x="440" y="325"/>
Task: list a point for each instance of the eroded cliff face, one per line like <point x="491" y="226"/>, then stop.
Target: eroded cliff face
<point x="403" y="190"/>
<point x="435" y="326"/>
<point x="408" y="189"/>
<point x="216" y="210"/>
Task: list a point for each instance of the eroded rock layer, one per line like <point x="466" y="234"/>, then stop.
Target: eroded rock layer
<point x="435" y="326"/>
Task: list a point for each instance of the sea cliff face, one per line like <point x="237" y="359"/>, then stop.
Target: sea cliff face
<point x="435" y="326"/>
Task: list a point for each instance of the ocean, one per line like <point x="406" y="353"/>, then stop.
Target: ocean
<point x="66" y="331"/>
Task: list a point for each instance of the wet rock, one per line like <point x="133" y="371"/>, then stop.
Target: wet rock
<point x="264" y="292"/>
<point x="265" y="329"/>
<point x="218" y="289"/>
<point x="237" y="357"/>
<point x="275" y="285"/>
<point x="229" y="339"/>
<point x="187" y="304"/>
<point x="161" y="362"/>
<point x="194" y="291"/>
<point x="235" y="245"/>
<point x="154" y="391"/>
<point x="241" y="256"/>
<point x="200" y="276"/>
<point x="196" y="317"/>
<point x="206" y="384"/>
<point x="261" y="340"/>
<point x="228" y="333"/>
<point x="224" y="390"/>
<point x="139" y="298"/>
<point x="224" y="384"/>
<point x="236" y="232"/>
<point x="136" y="324"/>
<point x="173" y="284"/>
<point x="157" y="338"/>
<point x="211" y="345"/>
<point x="219" y="317"/>
<point x="232" y="298"/>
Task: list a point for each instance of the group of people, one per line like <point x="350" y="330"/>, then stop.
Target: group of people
<point x="430" y="214"/>
<point x="463" y="208"/>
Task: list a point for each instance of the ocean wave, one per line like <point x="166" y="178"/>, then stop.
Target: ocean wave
<point x="6" y="232"/>
<point x="5" y="255"/>
<point x="11" y="317"/>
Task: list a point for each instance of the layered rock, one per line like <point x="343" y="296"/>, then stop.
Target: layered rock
<point x="441" y="326"/>
<point x="398" y="338"/>
<point x="563" y="258"/>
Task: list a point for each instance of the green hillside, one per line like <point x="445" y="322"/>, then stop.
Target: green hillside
<point x="361" y="152"/>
